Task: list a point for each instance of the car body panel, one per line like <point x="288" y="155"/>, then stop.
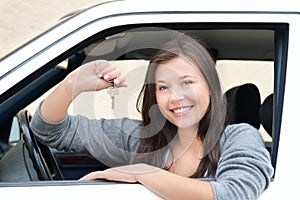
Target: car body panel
<point x="79" y="191"/>
<point x="48" y="52"/>
<point x="104" y="17"/>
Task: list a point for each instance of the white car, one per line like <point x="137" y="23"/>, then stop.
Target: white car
<point x="256" y="45"/>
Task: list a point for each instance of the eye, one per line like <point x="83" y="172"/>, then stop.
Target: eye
<point x="162" y="87"/>
<point x="187" y="82"/>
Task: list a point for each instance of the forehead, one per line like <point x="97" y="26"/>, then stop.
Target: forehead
<point x="177" y="67"/>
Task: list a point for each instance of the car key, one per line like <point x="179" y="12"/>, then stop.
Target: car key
<point x="112" y="91"/>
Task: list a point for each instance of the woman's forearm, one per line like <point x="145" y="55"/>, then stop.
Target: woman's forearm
<point x="54" y="108"/>
<point x="172" y="186"/>
<point x="159" y="181"/>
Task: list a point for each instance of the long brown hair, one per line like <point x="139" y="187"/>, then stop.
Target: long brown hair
<point x="157" y="132"/>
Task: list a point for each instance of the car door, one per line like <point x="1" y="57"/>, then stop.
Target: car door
<point x="254" y="44"/>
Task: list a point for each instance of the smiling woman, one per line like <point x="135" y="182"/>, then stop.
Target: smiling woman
<point x="181" y="77"/>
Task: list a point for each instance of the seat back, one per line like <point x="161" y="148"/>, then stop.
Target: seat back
<point x="266" y="114"/>
<point x="243" y="103"/>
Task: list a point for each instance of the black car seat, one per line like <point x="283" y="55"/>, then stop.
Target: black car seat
<point x="266" y="117"/>
<point x="243" y="103"/>
<point x="266" y="114"/>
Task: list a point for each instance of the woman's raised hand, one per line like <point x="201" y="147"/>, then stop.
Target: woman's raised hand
<point x="95" y="76"/>
<point x="92" y="76"/>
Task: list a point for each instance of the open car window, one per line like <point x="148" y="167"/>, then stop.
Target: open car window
<point x="234" y="46"/>
<point x="131" y="48"/>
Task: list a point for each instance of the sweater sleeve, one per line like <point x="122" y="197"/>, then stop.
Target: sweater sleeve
<point x="244" y="169"/>
<point x="108" y="140"/>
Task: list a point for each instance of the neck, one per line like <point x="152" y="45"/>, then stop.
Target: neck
<point x="187" y="143"/>
<point x="187" y="136"/>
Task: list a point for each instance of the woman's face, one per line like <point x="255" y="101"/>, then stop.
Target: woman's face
<point x="182" y="93"/>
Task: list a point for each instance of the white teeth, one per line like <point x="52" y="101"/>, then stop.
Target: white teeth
<point x="181" y="110"/>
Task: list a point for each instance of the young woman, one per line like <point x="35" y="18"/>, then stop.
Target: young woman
<point x="182" y="135"/>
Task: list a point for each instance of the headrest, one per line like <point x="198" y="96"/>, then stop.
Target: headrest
<point x="266" y="114"/>
<point x="243" y="103"/>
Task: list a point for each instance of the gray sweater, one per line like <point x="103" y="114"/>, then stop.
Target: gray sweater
<point x="244" y="170"/>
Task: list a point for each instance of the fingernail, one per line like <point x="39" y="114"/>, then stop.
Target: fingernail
<point x="116" y="81"/>
<point x="106" y="77"/>
<point x="100" y="75"/>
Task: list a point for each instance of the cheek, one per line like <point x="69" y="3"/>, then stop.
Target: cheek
<point x="203" y="100"/>
<point x="162" y="102"/>
<point x="160" y="99"/>
<point x="205" y="103"/>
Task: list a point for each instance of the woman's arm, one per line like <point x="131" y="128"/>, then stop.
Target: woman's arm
<point x="244" y="171"/>
<point x="93" y="76"/>
<point x="161" y="182"/>
<point x="172" y="186"/>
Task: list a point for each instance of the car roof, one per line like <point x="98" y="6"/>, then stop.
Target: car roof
<point x="85" y="16"/>
<point x="232" y="48"/>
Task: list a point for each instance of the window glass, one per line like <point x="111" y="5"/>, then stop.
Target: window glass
<point x="14" y="135"/>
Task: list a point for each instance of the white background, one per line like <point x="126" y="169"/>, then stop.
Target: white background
<point x="22" y="20"/>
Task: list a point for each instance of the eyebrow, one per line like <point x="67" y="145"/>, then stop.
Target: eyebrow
<point x="160" y="81"/>
<point x="187" y="76"/>
<point x="181" y="77"/>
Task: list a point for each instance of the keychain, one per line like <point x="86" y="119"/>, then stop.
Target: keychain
<point x="112" y="91"/>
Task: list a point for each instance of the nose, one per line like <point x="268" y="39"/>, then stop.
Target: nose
<point x="177" y="96"/>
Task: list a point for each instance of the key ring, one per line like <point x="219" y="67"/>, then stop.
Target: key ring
<point x="112" y="81"/>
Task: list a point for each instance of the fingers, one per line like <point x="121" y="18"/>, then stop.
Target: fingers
<point x="109" y="72"/>
<point x="120" y="81"/>
<point x="112" y="174"/>
<point x="93" y="176"/>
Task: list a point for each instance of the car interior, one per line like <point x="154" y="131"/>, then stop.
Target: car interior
<point x="245" y="56"/>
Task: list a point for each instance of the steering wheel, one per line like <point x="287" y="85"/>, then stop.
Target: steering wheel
<point x="42" y="157"/>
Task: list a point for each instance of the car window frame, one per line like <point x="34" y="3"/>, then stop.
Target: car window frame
<point x="279" y="84"/>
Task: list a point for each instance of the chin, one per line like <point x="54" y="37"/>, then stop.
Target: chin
<point x="186" y="125"/>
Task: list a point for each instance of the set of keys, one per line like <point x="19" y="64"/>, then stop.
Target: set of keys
<point x="112" y="91"/>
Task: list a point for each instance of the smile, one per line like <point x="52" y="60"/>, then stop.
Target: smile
<point x="182" y="110"/>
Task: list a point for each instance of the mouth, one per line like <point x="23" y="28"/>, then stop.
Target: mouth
<point x="181" y="110"/>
